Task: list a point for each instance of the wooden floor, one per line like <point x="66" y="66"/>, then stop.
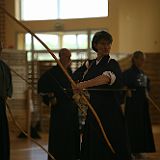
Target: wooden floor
<point x="24" y="149"/>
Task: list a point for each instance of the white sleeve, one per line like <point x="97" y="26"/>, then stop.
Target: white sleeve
<point x="111" y="75"/>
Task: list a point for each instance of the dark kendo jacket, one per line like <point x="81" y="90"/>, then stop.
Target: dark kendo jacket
<point x="6" y="87"/>
<point x="54" y="81"/>
<point x="137" y="110"/>
<point x="64" y="125"/>
<point x="5" y="91"/>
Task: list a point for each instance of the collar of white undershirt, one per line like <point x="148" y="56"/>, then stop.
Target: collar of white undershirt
<point x="97" y="61"/>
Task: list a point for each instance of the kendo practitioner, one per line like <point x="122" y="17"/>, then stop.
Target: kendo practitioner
<point x="103" y="79"/>
<point x="5" y="92"/>
<point x="64" y="136"/>
<point x="137" y="107"/>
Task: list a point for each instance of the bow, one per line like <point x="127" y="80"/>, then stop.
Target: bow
<point x="66" y="74"/>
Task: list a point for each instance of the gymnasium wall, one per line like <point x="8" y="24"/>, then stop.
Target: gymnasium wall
<point x="133" y="24"/>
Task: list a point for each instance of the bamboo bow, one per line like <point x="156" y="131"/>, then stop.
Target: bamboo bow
<point x="67" y="75"/>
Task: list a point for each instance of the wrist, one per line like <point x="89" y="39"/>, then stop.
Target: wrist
<point x="83" y="85"/>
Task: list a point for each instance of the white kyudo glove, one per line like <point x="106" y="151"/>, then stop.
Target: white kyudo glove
<point x="111" y="75"/>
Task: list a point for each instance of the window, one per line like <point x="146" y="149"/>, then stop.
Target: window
<point x="75" y="41"/>
<point x="79" y="42"/>
<point x="52" y="41"/>
<point x="38" y="9"/>
<point x="62" y="9"/>
<point x="83" y="8"/>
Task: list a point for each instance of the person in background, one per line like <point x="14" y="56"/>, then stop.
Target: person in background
<point x="5" y="92"/>
<point x="103" y="79"/>
<point x="34" y="122"/>
<point x="137" y="107"/>
<point x="64" y="137"/>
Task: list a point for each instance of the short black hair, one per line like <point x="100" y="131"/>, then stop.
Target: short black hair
<point x="99" y="36"/>
<point x="138" y="54"/>
<point x="62" y="51"/>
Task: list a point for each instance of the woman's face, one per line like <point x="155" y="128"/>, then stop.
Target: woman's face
<point x="103" y="47"/>
<point x="139" y="62"/>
